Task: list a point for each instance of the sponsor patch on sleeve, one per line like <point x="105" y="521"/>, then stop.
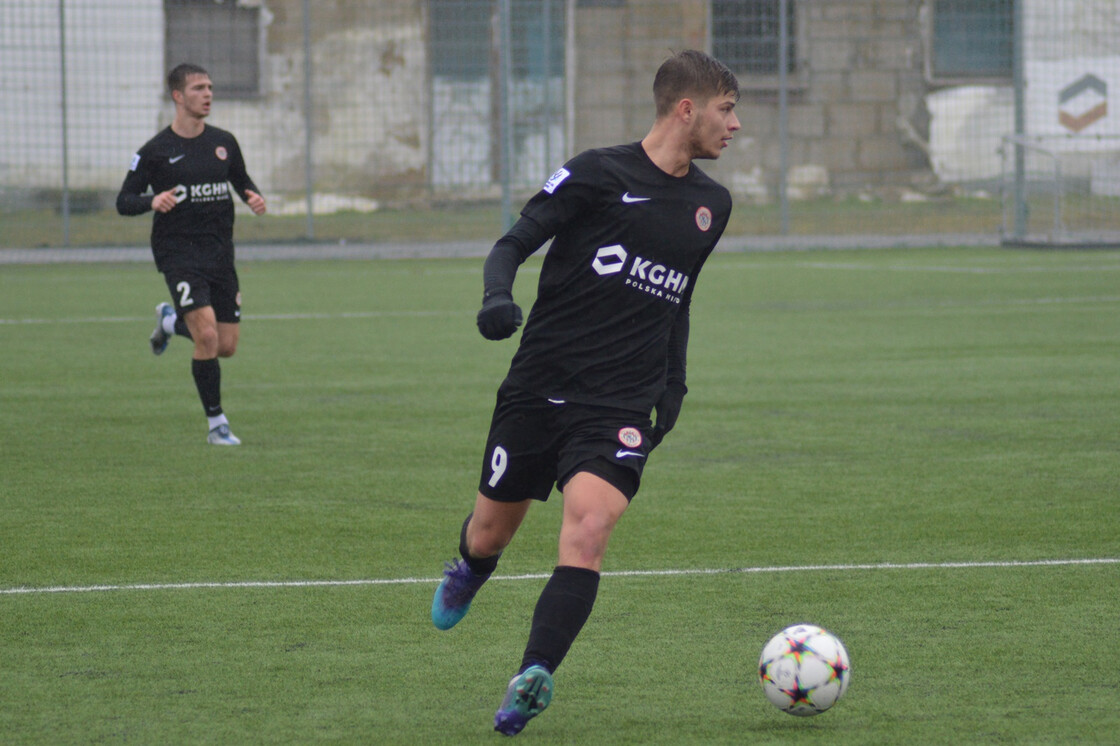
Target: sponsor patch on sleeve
<point x="555" y="180"/>
<point x="135" y="162"/>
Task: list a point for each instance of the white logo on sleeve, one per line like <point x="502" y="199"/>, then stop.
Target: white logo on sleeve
<point x="555" y="180"/>
<point x="135" y="162"/>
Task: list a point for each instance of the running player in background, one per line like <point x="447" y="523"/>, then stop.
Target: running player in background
<point x="189" y="167"/>
<point x="605" y="345"/>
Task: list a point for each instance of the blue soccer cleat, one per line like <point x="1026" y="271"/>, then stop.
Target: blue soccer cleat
<point x="454" y="594"/>
<point x="160" y="338"/>
<point x="528" y="694"/>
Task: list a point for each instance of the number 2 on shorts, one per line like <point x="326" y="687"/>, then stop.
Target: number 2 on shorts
<point x="185" y="298"/>
<point x="498" y="462"/>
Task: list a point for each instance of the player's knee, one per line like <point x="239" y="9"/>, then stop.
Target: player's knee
<point x="227" y="349"/>
<point x="585" y="538"/>
<point x="486" y="543"/>
<point x="205" y="341"/>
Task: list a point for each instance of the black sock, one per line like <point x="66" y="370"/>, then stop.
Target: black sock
<point x="181" y="327"/>
<point x="564" y="606"/>
<point x="479" y="566"/>
<point x="208" y="379"/>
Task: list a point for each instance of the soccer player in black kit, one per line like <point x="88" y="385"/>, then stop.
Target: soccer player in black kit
<point x="189" y="167"/>
<point x="605" y="345"/>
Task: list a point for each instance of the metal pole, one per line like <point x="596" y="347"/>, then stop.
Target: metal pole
<point x="546" y="34"/>
<point x="505" y="130"/>
<point x="65" y="125"/>
<point x="570" y="72"/>
<point x="1019" y="84"/>
<point x="308" y="125"/>
<point x="783" y="112"/>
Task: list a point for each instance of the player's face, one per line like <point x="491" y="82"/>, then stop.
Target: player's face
<point x="197" y="95"/>
<point x="713" y="127"/>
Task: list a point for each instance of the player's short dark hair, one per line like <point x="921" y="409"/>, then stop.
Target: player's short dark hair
<point x="691" y="74"/>
<point x="177" y="78"/>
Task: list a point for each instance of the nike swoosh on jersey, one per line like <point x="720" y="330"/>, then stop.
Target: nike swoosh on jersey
<point x="620" y="453"/>
<point x="631" y="200"/>
<point x="177" y="158"/>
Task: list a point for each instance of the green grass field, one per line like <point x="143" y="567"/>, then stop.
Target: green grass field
<point x="917" y="449"/>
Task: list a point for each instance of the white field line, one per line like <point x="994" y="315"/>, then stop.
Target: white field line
<point x="253" y="317"/>
<point x="950" y="269"/>
<point x="543" y="576"/>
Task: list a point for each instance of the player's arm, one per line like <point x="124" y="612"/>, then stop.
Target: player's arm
<point x="131" y="199"/>
<point x="669" y="404"/>
<point x="500" y="316"/>
<point x="242" y="183"/>
<point x="568" y="193"/>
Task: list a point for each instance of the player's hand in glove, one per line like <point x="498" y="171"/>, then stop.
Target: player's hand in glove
<point x="668" y="409"/>
<point x="499" y="316"/>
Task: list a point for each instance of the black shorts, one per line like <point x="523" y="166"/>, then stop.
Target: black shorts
<point x="536" y="442"/>
<point x="192" y="289"/>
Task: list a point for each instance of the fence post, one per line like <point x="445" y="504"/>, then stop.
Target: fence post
<point x="1019" y="222"/>
<point x="308" y="125"/>
<point x="65" y="125"/>
<point x="783" y="113"/>
<point x="505" y="127"/>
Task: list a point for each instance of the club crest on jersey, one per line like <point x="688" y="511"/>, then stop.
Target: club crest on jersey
<point x="631" y="437"/>
<point x="555" y="180"/>
<point x="221" y="153"/>
<point x="704" y="219"/>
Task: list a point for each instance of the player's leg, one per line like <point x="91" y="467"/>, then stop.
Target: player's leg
<point x="485" y="533"/>
<point x="223" y="325"/>
<point x="225" y="296"/>
<point x="592" y="508"/>
<point x="207" y="374"/>
<point x="518" y="467"/>
<point x="228" y="337"/>
<point x="601" y="465"/>
<point x="169" y="316"/>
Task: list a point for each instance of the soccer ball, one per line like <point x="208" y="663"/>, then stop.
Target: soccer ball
<point x="804" y="670"/>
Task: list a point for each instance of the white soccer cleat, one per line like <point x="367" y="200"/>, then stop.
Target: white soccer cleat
<point x="160" y="338"/>
<point x="221" y="436"/>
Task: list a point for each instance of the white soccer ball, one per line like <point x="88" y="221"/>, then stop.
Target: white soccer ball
<point x="804" y="670"/>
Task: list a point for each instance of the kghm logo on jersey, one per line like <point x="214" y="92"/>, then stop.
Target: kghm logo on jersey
<point x="643" y="274"/>
<point x="202" y="192"/>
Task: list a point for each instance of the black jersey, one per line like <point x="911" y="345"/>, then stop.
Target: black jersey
<point x="198" y="232"/>
<point x="629" y="242"/>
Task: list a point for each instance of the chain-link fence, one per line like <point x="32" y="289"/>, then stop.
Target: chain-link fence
<point x="381" y="118"/>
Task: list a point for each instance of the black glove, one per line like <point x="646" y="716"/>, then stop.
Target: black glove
<point x="668" y="409"/>
<point x="500" y="316"/>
